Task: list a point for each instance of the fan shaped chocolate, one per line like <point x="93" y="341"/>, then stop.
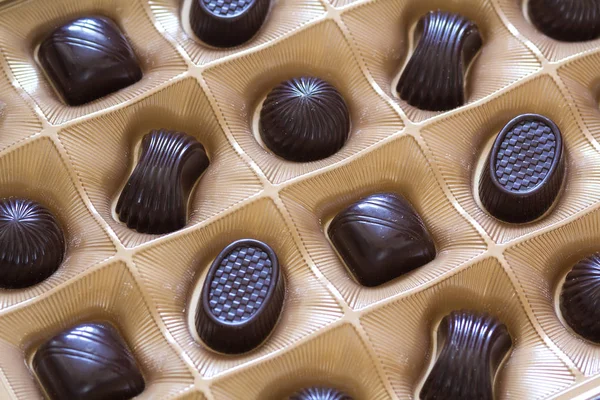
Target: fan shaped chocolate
<point x="241" y="298"/>
<point x="155" y="197"/>
<point x="524" y="171"/>
<point x="380" y="238"/>
<point x="434" y="77"/>
<point x="304" y="119"/>
<point x="32" y="244"/>
<point x="227" y="23"/>
<point x="471" y="347"/>
<point x="566" y="20"/>
<point x="580" y="297"/>
<point x="88" y="362"/>
<point x="319" y="393"/>
<point x="88" y="58"/>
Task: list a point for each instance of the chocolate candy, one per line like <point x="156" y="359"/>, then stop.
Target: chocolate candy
<point x="472" y="347"/>
<point x="566" y="20"/>
<point x="380" y="238"/>
<point x="304" y="119"/>
<point x="155" y="197"/>
<point x="32" y="244"/>
<point x="227" y="23"/>
<point x="241" y="298"/>
<point x="88" y="58"/>
<point x="88" y="362"/>
<point x="524" y="170"/>
<point x="434" y="77"/>
<point x="580" y="297"/>
<point x="319" y="393"/>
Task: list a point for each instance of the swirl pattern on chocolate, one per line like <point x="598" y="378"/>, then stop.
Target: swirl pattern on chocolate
<point x="566" y="20"/>
<point x="155" y="197"/>
<point x="472" y="347"/>
<point x="304" y="119"/>
<point x="32" y="243"/>
<point x="319" y="393"/>
<point x="434" y="77"/>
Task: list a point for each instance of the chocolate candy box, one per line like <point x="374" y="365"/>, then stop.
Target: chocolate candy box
<point x="432" y="207"/>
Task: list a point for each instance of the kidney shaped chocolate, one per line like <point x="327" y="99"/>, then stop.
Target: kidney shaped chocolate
<point x="566" y="20"/>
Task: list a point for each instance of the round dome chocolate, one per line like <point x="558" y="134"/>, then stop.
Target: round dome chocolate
<point x="319" y="393"/>
<point x="32" y="244"/>
<point x="566" y="20"/>
<point x="304" y="119"/>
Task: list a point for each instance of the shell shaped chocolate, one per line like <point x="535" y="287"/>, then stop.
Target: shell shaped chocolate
<point x="433" y="78"/>
<point x="472" y="347"/>
<point x="580" y="296"/>
<point x="524" y="170"/>
<point x="155" y="198"/>
<point x="32" y="243"/>
<point x="381" y="237"/>
<point x="304" y="119"/>
<point x="89" y="361"/>
<point x="566" y="20"/>
<point x="241" y="298"/>
<point x="319" y="393"/>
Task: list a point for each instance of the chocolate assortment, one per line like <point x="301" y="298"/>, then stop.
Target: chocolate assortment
<point x="299" y="199"/>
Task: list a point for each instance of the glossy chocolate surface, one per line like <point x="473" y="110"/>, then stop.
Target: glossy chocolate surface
<point x="32" y="243"/>
<point x="88" y="58"/>
<point x="241" y="298"/>
<point x="155" y="198"/>
<point x="434" y="78"/>
<point x="319" y="393"/>
<point x="227" y="23"/>
<point x="524" y="170"/>
<point x="566" y="20"/>
<point x="304" y="119"/>
<point x="580" y="297"/>
<point x="471" y="347"/>
<point x="88" y="362"/>
<point x="381" y="237"/>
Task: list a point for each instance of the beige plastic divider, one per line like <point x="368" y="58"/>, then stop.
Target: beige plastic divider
<point x="36" y="171"/>
<point x="541" y="264"/>
<point x="108" y="293"/>
<point x="531" y="370"/>
<point x="337" y="358"/>
<point x="24" y="24"/>
<point x="174" y="271"/>
<point x="399" y="167"/>
<point x="321" y="50"/>
<point x="458" y="144"/>
<point x="195" y="395"/>
<point x="104" y="151"/>
<point x="385" y="46"/>
<point x="284" y="17"/>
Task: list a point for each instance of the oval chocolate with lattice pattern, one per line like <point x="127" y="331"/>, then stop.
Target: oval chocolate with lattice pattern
<point x="524" y="171"/>
<point x="242" y="297"/>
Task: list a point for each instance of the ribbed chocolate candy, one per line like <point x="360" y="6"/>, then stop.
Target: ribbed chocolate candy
<point x="380" y="238"/>
<point x="566" y="20"/>
<point x="88" y="362"/>
<point x="155" y="197"/>
<point x="88" y="58"/>
<point x="319" y="393"/>
<point x="472" y="347"/>
<point x="241" y="298"/>
<point x="304" y="119"/>
<point x="580" y="297"/>
<point x="32" y="244"/>
<point x="227" y="23"/>
<point x="524" y="170"/>
<point x="434" y="77"/>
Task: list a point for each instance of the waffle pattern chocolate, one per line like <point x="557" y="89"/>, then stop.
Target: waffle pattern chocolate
<point x="434" y="77"/>
<point x="524" y="170"/>
<point x="228" y="8"/>
<point x="472" y="347"/>
<point x="155" y="198"/>
<point x="242" y="297"/>
<point x="319" y="393"/>
<point x="32" y="244"/>
<point x="88" y="362"/>
<point x="304" y="119"/>
<point x="566" y="20"/>
<point x="580" y="297"/>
